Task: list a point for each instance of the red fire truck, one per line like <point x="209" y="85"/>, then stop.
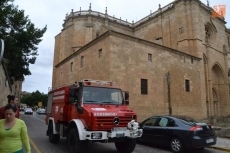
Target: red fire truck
<point x="92" y="111"/>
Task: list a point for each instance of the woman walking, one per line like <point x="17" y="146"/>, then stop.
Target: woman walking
<point x="11" y="100"/>
<point x="13" y="132"/>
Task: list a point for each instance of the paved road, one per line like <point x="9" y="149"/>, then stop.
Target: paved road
<point x="40" y="143"/>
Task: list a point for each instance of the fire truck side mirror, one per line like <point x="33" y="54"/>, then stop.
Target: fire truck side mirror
<point x="126" y="95"/>
<point x="127" y="98"/>
<point x="72" y="96"/>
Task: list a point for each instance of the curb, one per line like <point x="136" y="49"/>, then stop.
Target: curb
<point x="220" y="148"/>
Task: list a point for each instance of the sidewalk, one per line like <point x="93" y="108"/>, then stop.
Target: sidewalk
<point x="222" y="144"/>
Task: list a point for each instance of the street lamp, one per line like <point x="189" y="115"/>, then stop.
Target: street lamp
<point x="169" y="94"/>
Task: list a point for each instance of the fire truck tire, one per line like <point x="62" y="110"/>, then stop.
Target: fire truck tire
<point x="53" y="138"/>
<point x="75" y="144"/>
<point x="126" y="147"/>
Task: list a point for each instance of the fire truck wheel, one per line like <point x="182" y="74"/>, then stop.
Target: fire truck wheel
<point x="126" y="147"/>
<point x="75" y="144"/>
<point x="53" y="138"/>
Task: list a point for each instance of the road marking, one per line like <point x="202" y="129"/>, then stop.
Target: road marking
<point x="34" y="146"/>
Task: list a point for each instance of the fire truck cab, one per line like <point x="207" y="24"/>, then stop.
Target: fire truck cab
<point x="91" y="111"/>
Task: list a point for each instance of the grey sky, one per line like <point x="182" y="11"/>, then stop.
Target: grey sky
<point x="52" y="14"/>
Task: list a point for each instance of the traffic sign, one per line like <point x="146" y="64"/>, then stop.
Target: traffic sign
<point x="40" y="104"/>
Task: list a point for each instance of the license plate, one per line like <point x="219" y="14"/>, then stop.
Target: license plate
<point x="119" y="129"/>
<point x="209" y="140"/>
<point x="120" y="135"/>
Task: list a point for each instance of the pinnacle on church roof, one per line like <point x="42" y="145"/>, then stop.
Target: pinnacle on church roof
<point x="105" y="10"/>
<point x="89" y="6"/>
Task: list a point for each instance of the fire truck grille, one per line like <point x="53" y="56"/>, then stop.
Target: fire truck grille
<point x="108" y="122"/>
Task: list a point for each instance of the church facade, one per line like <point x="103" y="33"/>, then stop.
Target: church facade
<point x="173" y="61"/>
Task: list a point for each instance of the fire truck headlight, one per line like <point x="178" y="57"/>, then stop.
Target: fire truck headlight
<point x="97" y="135"/>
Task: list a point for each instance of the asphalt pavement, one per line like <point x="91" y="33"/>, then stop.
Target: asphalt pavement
<point x="39" y="141"/>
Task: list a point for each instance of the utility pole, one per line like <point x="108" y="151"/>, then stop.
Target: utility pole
<point x="169" y="94"/>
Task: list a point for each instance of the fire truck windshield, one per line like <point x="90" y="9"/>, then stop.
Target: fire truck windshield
<point x="100" y="95"/>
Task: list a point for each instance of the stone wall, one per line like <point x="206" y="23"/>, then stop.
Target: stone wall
<point x="118" y="63"/>
<point x="124" y="58"/>
<point x="4" y="86"/>
<point x="182" y="38"/>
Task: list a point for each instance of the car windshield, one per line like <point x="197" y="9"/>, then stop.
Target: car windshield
<point x="28" y="109"/>
<point x="99" y="95"/>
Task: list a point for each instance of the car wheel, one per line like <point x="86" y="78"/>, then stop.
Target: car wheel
<point x="176" y="145"/>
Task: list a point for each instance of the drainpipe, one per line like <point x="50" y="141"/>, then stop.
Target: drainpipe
<point x="169" y="94"/>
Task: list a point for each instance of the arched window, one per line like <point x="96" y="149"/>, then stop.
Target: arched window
<point x="210" y="31"/>
<point x="208" y="34"/>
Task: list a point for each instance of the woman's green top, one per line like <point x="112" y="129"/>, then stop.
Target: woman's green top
<point x="11" y="140"/>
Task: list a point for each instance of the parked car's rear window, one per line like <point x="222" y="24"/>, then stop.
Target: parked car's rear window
<point x="188" y="120"/>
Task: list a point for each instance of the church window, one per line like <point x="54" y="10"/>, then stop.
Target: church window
<point x="187" y="85"/>
<point x="144" y="86"/>
<point x="71" y="67"/>
<point x="100" y="53"/>
<point x="207" y="32"/>
<point x="150" y="57"/>
<point x="181" y="30"/>
<point x="82" y="61"/>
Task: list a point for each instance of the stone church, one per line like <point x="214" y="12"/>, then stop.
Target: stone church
<point x="173" y="61"/>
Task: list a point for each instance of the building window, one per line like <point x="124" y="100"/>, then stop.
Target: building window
<point x="150" y="57"/>
<point x="71" y="67"/>
<point x="192" y="60"/>
<point x="82" y="61"/>
<point x="187" y="86"/>
<point x="144" y="86"/>
<point x="100" y="53"/>
<point x="181" y="30"/>
<point x="97" y="34"/>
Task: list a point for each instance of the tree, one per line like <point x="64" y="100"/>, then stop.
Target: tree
<point x="32" y="99"/>
<point x="21" y="39"/>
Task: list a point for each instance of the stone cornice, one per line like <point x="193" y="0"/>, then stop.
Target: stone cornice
<point x="134" y="25"/>
<point x="121" y="35"/>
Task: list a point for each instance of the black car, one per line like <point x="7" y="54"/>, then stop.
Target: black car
<point x="28" y="111"/>
<point x="180" y="133"/>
